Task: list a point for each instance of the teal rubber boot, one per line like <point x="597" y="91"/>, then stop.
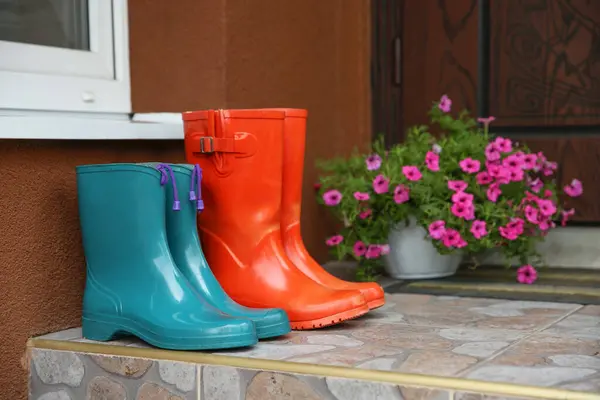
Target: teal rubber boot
<point x="133" y="286"/>
<point x="182" y="234"/>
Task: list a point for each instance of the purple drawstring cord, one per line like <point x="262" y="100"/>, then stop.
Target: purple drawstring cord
<point x="193" y="183"/>
<point x="195" y="190"/>
<point x="167" y="172"/>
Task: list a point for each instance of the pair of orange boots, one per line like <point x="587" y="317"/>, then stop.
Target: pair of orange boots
<point x="252" y="163"/>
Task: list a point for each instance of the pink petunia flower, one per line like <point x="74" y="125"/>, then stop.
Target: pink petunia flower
<point x="546" y="206"/>
<point x="360" y="196"/>
<point x="546" y="224"/>
<point x="516" y="175"/>
<point x="452" y="238"/>
<point x="445" y="104"/>
<point x="486" y="121"/>
<point x="432" y="161"/>
<point x="565" y="215"/>
<point x="513" y="162"/>
<point x="457" y="186"/>
<point x="469" y="165"/>
<point x="462" y="197"/>
<point x="437" y="229"/>
<point x="503" y="145"/>
<point x="373" y="251"/>
<point x="381" y="184"/>
<point x="574" y="189"/>
<point x="359" y="249"/>
<point x="478" y="229"/>
<point x="401" y="194"/>
<point x="334" y="240"/>
<point x="500" y="174"/>
<point x="517" y="224"/>
<point x="332" y="197"/>
<point x="531" y="214"/>
<point x="530" y="197"/>
<point x="373" y="162"/>
<point x="471" y="214"/>
<point x="493" y="192"/>
<point x="489" y="164"/>
<point x="484" y="178"/>
<point x="508" y="233"/>
<point x="527" y="274"/>
<point x="529" y="161"/>
<point x="365" y="214"/>
<point x="536" y="185"/>
<point x="411" y="172"/>
<point x="462" y="210"/>
<point x="549" y="167"/>
<point x="492" y="153"/>
<point x="461" y="243"/>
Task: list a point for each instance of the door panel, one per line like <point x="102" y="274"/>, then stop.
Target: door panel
<point x="545" y="62"/>
<point x="440" y="55"/>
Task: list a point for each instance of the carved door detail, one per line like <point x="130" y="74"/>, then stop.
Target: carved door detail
<point x="545" y="62"/>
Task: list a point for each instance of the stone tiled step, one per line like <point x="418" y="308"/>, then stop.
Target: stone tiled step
<point x="73" y="375"/>
<point x="416" y="347"/>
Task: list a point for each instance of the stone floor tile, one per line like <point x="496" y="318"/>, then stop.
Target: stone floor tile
<point x="545" y="376"/>
<point x="442" y="311"/>
<point x="403" y="348"/>
<point x="547" y="360"/>
<point x="584" y="324"/>
<point x="67" y="334"/>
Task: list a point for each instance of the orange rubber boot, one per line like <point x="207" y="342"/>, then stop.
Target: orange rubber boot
<point x="293" y="167"/>
<point x="241" y="155"/>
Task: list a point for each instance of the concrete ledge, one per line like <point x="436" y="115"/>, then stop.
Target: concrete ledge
<point x="569" y="247"/>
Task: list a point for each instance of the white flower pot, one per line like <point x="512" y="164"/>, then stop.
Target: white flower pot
<point x="413" y="256"/>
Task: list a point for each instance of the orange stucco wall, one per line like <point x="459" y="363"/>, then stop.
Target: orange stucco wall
<point x="312" y="54"/>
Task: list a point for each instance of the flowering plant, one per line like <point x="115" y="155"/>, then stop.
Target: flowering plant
<point x="470" y="191"/>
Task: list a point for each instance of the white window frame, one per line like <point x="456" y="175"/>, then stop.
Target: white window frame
<point x="57" y="93"/>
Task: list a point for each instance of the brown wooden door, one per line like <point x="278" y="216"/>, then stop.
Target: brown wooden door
<point x="386" y="68"/>
<point x="533" y="64"/>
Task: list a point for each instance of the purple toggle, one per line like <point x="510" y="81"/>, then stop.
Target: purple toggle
<point x="166" y="173"/>
<point x="195" y="187"/>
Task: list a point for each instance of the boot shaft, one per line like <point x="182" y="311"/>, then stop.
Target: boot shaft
<point x="294" y="145"/>
<point x="121" y="208"/>
<point x="241" y="155"/>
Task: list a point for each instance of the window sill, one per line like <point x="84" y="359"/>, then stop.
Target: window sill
<point x="90" y="126"/>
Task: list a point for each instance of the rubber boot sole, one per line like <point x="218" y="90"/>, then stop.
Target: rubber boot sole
<point x="112" y="328"/>
<point x="374" y="304"/>
<point x="274" y="330"/>
<point x="330" y="320"/>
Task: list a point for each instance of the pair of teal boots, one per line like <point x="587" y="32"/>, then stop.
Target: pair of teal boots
<point x="146" y="272"/>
